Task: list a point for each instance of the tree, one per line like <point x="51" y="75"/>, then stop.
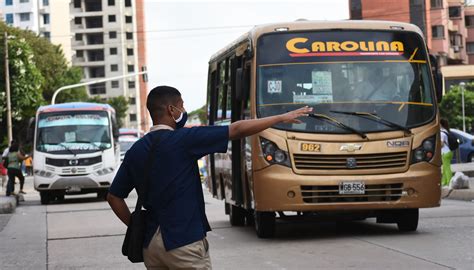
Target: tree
<point x="201" y="113"/>
<point x="120" y="105"/>
<point x="451" y="106"/>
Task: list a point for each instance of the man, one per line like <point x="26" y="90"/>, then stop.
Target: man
<point x="177" y="225"/>
<point x="374" y="86"/>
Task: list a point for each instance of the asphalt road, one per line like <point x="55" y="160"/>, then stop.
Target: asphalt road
<point x="83" y="233"/>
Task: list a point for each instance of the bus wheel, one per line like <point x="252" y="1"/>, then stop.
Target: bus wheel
<point x="44" y="196"/>
<point x="236" y="215"/>
<point x="407" y="220"/>
<point x="265" y="224"/>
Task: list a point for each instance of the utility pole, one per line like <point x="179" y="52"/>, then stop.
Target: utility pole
<point x="463" y="85"/>
<point x="7" y="89"/>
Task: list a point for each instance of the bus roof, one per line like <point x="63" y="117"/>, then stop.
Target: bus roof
<point x="76" y="106"/>
<point x="302" y="25"/>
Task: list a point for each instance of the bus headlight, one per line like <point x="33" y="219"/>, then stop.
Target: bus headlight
<point x="273" y="154"/>
<point x="425" y="152"/>
<point x="43" y="173"/>
<point x="104" y="171"/>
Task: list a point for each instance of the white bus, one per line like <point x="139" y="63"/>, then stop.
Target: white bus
<point x="75" y="150"/>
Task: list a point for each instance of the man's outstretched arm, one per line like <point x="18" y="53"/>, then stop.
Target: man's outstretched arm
<point x="244" y="128"/>
<point x="119" y="207"/>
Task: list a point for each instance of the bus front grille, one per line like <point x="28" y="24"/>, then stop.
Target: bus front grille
<point x="350" y="162"/>
<point x="330" y="194"/>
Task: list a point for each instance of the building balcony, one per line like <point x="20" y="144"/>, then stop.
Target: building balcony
<point x="455" y="53"/>
<point x="452" y="27"/>
<point x="82" y="62"/>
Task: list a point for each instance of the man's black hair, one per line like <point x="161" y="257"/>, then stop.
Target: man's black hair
<point x="160" y="98"/>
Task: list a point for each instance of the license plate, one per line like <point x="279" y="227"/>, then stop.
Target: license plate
<point x="352" y="188"/>
<point x="74" y="189"/>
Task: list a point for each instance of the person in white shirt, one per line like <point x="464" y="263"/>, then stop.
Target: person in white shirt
<point x="446" y="154"/>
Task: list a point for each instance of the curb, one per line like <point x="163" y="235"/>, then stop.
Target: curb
<point x="458" y="194"/>
<point x="8" y="204"/>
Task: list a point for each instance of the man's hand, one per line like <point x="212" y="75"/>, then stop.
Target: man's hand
<point x="291" y="117"/>
<point x="244" y="128"/>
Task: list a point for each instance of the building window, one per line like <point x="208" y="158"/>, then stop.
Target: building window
<point x="470" y="47"/>
<point x="417" y="14"/>
<point x="114" y="84"/>
<point x="356" y="9"/>
<point x="133" y="117"/>
<point x="455" y="12"/>
<point x="8" y="2"/>
<point x="79" y="53"/>
<point x="129" y="51"/>
<point x="111" y="2"/>
<point x="77" y="3"/>
<point x="112" y="34"/>
<point x="131" y="84"/>
<point x="128" y="3"/>
<point x="78" y="37"/>
<point x="24" y="1"/>
<point x="47" y="35"/>
<point x="438" y="31"/>
<point x="24" y="17"/>
<point x="129" y="35"/>
<point x="470" y="20"/>
<point x="113" y="51"/>
<point x="132" y="101"/>
<point x="114" y="67"/>
<point x="112" y="18"/>
<point x="45" y="3"/>
<point x="78" y="20"/>
<point x="46" y="19"/>
<point x="131" y="68"/>
<point x="97" y="89"/>
<point x="9" y="18"/>
<point x="128" y="19"/>
<point x="436" y="3"/>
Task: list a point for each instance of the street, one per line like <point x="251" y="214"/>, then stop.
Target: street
<point x="83" y="233"/>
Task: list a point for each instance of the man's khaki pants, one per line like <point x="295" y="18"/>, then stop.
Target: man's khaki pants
<point x="192" y="256"/>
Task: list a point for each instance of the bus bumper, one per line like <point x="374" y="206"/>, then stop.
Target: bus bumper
<point x="278" y="188"/>
<point x="73" y="184"/>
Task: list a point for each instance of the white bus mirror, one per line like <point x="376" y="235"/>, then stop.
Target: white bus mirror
<point x="30" y="132"/>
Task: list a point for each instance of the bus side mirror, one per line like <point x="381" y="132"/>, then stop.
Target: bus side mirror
<point x="242" y="84"/>
<point x="30" y="132"/>
<point x="437" y="78"/>
<point x="115" y="129"/>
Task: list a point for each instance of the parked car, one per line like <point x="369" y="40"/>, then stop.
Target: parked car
<point x="131" y="132"/>
<point x="126" y="143"/>
<point x="466" y="147"/>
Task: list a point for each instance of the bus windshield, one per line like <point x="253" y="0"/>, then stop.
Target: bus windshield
<point x="73" y="132"/>
<point x="381" y="73"/>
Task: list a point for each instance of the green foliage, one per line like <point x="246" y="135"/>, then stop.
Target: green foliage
<point x="451" y="106"/>
<point x="201" y="113"/>
<point x="120" y="105"/>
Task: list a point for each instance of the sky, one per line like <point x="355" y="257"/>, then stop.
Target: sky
<point x="182" y="36"/>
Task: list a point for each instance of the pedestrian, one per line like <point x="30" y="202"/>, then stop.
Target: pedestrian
<point x="177" y="224"/>
<point x="14" y="160"/>
<point x="29" y="166"/>
<point x="446" y="154"/>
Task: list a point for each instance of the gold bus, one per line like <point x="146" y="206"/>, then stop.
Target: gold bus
<point x="372" y="146"/>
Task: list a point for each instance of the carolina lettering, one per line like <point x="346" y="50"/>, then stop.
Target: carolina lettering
<point x="301" y="45"/>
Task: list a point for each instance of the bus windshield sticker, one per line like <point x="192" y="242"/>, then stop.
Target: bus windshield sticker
<point x="274" y="87"/>
<point x="312" y="99"/>
<point x="69" y="136"/>
<point x="322" y="82"/>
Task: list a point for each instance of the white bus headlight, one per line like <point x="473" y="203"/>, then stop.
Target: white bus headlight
<point x="273" y="154"/>
<point x="104" y="171"/>
<point x="43" y="173"/>
<point x="425" y="152"/>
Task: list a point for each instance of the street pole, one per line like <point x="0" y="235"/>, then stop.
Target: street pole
<point x="7" y="89"/>
<point x="93" y="82"/>
<point x="463" y="84"/>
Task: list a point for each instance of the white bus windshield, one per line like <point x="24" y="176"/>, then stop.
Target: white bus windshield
<point x="393" y="83"/>
<point x="73" y="132"/>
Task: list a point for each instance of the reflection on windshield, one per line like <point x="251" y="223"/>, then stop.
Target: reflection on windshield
<point x="73" y="132"/>
<point x="398" y="91"/>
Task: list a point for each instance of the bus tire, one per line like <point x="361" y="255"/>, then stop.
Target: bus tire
<point x="265" y="224"/>
<point x="236" y="215"/>
<point x="45" y="197"/>
<point x="407" y="220"/>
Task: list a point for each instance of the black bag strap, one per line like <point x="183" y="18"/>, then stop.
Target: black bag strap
<point x="148" y="165"/>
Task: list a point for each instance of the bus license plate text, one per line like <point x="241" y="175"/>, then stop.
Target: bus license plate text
<point x="352" y="188"/>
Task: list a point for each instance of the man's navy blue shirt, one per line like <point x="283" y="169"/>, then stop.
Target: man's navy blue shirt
<point x="175" y="198"/>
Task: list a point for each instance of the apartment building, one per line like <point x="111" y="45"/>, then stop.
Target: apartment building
<point x="35" y="15"/>
<point x="442" y="22"/>
<point x="109" y="41"/>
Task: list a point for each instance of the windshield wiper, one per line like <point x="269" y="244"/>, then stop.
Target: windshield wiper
<point x="378" y="119"/>
<point x="67" y="148"/>
<point x="334" y="121"/>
